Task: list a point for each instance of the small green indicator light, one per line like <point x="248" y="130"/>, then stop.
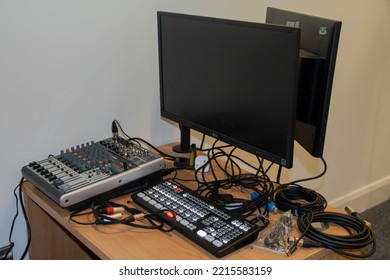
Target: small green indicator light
<point x="322" y="30"/>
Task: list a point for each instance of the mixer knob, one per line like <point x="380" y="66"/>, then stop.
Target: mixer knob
<point x="57" y="182"/>
<point x="31" y="164"/>
<point x="52" y="178"/>
<point x="43" y="172"/>
<point x="36" y="166"/>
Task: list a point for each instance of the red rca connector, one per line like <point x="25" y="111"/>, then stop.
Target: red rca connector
<point x="111" y="210"/>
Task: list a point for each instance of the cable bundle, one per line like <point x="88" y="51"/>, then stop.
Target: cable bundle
<point x="227" y="174"/>
<point x="298" y="199"/>
<point x="360" y="235"/>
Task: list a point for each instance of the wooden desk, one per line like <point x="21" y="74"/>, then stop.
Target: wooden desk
<point x="54" y="236"/>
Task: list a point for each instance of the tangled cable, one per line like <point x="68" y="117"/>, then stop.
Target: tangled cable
<point x="105" y="213"/>
<point x="227" y="174"/>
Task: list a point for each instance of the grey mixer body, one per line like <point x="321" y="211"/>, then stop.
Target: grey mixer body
<point x="93" y="171"/>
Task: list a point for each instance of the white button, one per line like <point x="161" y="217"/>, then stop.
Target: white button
<point x="217" y="243"/>
<point x="201" y="233"/>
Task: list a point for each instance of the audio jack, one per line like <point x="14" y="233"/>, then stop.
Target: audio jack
<point x="114" y="129"/>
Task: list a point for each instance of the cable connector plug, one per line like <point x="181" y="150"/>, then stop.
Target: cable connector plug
<point x="111" y="210"/>
<point x="355" y="214"/>
<point x="139" y="217"/>
<point x="114" y="130"/>
<point x="352" y="212"/>
<point x="292" y="247"/>
<point x="304" y="242"/>
<point x="271" y="206"/>
<point x="134" y="217"/>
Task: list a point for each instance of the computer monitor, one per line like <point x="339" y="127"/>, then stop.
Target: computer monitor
<point x="319" y="43"/>
<point x="232" y="80"/>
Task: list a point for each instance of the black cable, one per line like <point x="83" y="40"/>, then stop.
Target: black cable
<point x="212" y="154"/>
<point x="311" y="178"/>
<point x="360" y="236"/>
<point x="137" y="139"/>
<point x="298" y="199"/>
<point x="279" y="174"/>
<point x="12" y="244"/>
<point x="26" y="220"/>
<point x="260" y="186"/>
<point x="166" y="156"/>
<point x="292" y="196"/>
<point x="131" y="216"/>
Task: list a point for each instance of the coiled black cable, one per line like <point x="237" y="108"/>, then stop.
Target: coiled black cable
<point x="298" y="199"/>
<point x="359" y="235"/>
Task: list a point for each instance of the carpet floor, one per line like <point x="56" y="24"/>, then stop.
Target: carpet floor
<point x="379" y="217"/>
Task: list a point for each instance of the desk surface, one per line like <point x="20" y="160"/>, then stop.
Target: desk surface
<point x="51" y="227"/>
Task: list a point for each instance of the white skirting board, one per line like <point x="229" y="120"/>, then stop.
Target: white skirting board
<point x="366" y="197"/>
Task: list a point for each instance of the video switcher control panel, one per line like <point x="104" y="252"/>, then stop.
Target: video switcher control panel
<point x="209" y="225"/>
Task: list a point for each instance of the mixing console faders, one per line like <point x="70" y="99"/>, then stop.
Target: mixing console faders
<point x="93" y="170"/>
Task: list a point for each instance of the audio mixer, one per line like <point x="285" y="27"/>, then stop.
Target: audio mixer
<point x="95" y="170"/>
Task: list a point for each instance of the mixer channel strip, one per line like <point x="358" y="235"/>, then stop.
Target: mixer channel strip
<point x="88" y="170"/>
<point x="210" y="226"/>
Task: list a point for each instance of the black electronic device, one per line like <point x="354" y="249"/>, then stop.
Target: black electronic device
<point x="95" y="171"/>
<point x="319" y="44"/>
<point x="208" y="225"/>
<point x="232" y="80"/>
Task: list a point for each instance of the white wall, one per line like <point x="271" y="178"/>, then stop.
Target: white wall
<point x="68" y="68"/>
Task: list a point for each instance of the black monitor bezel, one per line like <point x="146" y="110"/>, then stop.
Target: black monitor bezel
<point x="310" y="131"/>
<point x="186" y="125"/>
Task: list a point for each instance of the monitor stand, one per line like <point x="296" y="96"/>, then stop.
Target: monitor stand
<point x="185" y="141"/>
<point x="183" y="148"/>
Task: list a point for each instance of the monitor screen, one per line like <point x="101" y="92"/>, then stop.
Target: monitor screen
<point x="319" y="44"/>
<point x="232" y="80"/>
